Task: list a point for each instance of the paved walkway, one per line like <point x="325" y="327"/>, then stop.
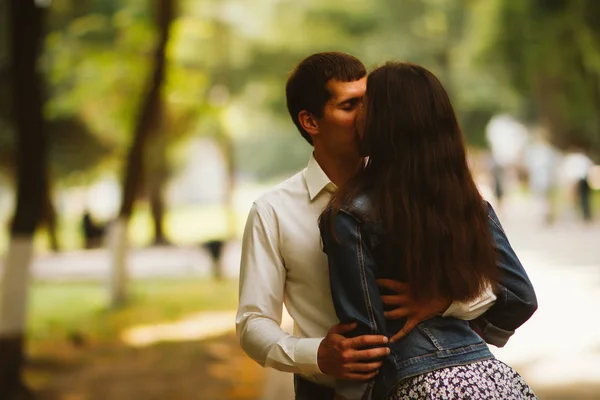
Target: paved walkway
<point x="558" y="350"/>
<point x="86" y="265"/>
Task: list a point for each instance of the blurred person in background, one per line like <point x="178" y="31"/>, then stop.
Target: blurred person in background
<point x="576" y="167"/>
<point x="93" y="232"/>
<point x="506" y="138"/>
<point x="497" y="173"/>
<point x="541" y="160"/>
<point x="414" y="214"/>
<point x="282" y="258"/>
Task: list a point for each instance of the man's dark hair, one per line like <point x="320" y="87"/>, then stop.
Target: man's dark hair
<point x="306" y="88"/>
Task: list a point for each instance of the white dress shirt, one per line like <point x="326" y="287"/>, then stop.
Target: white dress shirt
<point x="283" y="263"/>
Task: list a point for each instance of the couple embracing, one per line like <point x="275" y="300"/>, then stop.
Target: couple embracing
<point x="397" y="273"/>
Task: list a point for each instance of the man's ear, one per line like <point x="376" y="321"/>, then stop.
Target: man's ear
<point x="308" y="122"/>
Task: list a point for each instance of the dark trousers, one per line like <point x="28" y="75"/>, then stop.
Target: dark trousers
<point x="584" y="192"/>
<point x="307" y="390"/>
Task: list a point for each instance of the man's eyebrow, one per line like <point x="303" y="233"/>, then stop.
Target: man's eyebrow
<point x="351" y="100"/>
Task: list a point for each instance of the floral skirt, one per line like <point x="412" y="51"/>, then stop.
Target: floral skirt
<point x="489" y="379"/>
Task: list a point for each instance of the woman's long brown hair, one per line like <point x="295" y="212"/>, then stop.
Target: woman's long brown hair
<point x="437" y="236"/>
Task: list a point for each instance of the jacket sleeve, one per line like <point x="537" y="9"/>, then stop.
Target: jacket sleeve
<point x="356" y="297"/>
<point x="516" y="300"/>
<point x="352" y="273"/>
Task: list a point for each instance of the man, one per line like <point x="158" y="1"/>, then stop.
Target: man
<point x="282" y="261"/>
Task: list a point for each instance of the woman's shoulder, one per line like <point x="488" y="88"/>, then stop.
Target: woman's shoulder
<point x="360" y="207"/>
<point x="363" y="209"/>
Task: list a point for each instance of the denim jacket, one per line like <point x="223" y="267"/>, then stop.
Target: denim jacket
<point x="436" y="343"/>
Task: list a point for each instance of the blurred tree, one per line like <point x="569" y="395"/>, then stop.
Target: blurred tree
<point x="95" y="60"/>
<point x="551" y="57"/>
<point x="148" y="119"/>
<point x="157" y="173"/>
<point x="219" y="97"/>
<point x="6" y="134"/>
<point x="26" y="100"/>
<point x="97" y="56"/>
<point x="72" y="146"/>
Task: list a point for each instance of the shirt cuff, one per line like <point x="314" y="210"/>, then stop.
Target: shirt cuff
<point x="470" y="310"/>
<point x="450" y="311"/>
<point x="305" y="355"/>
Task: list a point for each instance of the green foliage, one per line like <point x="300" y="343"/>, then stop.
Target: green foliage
<point x="550" y="56"/>
<point x="229" y="57"/>
<point x="273" y="154"/>
<point x="73" y="147"/>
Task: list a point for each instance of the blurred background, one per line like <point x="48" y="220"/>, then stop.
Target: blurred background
<point x="135" y="134"/>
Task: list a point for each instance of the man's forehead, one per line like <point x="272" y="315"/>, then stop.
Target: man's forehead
<point x="339" y="89"/>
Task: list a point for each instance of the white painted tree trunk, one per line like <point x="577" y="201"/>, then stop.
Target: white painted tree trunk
<point x="118" y="244"/>
<point x="15" y="285"/>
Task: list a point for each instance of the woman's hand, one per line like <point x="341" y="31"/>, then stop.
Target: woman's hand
<point x="406" y="306"/>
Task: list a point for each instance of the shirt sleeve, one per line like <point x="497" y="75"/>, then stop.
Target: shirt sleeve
<point x="261" y="293"/>
<point x="472" y="309"/>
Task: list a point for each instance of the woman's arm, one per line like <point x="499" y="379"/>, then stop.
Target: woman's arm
<point x="516" y="300"/>
<point x="352" y="273"/>
<point x="356" y="297"/>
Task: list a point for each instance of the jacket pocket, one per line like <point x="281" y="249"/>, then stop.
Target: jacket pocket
<point x="448" y="333"/>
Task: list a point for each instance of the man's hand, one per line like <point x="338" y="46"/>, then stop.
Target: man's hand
<point x="407" y="307"/>
<point x="346" y="358"/>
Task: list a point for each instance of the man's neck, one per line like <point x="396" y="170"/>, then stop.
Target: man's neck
<point x="338" y="170"/>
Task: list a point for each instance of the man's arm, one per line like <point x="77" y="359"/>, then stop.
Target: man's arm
<point x="262" y="282"/>
<point x="261" y="291"/>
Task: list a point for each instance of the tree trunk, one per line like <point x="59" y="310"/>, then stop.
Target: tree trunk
<point x="26" y="39"/>
<point x="50" y="220"/>
<point x="217" y="247"/>
<point x="134" y="171"/>
<point x="223" y="77"/>
<point x="593" y="80"/>
<point x="157" y="176"/>
<point x="157" y="208"/>
<point x="227" y="148"/>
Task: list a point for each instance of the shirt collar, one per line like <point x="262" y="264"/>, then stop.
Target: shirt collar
<point x="316" y="179"/>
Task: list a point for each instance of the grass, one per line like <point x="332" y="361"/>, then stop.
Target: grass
<point x="99" y="366"/>
<point x="59" y="310"/>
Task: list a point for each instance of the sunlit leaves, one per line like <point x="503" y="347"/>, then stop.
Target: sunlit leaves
<point x="551" y="56"/>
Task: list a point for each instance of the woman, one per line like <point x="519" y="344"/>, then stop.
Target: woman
<point x="415" y="215"/>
